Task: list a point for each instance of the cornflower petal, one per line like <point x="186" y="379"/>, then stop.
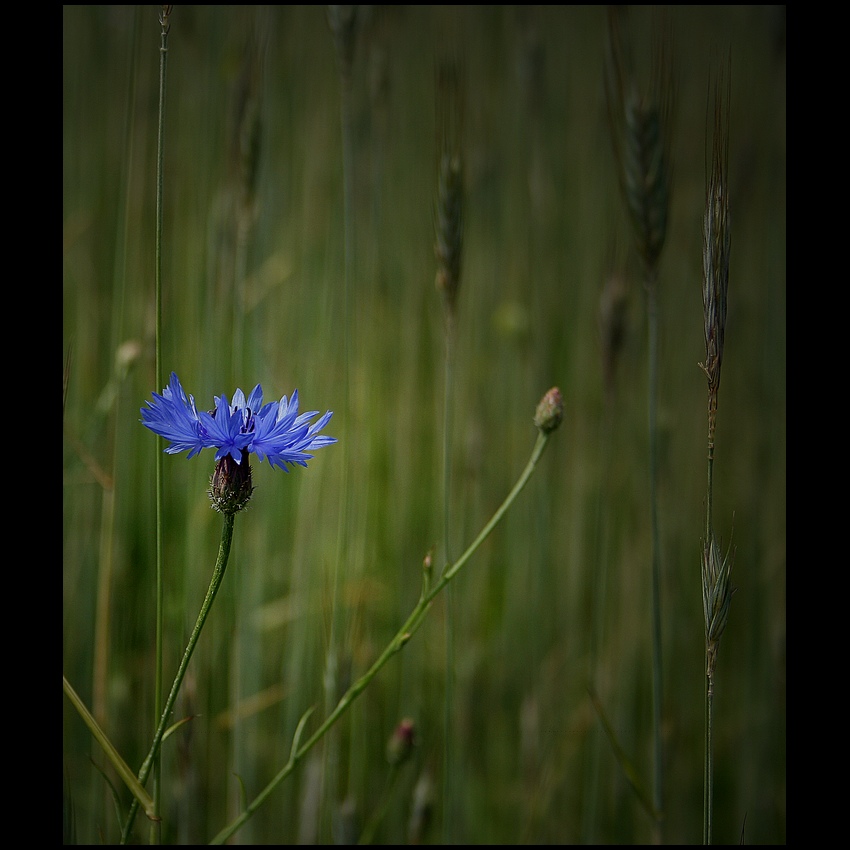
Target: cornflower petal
<point x="283" y="439"/>
<point x="288" y="409"/>
<point x="314" y="429"/>
<point x="225" y="431"/>
<point x="294" y="450"/>
<point x="173" y="416"/>
<point x="235" y="428"/>
<point x="255" y="400"/>
<point x="238" y="402"/>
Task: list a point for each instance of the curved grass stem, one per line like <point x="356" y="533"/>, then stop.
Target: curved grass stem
<point x="398" y="642"/>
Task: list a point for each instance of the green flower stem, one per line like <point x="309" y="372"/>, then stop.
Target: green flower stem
<point x="448" y="749"/>
<point x="395" y="645"/>
<point x="112" y="754"/>
<point x="368" y="834"/>
<point x="215" y="583"/>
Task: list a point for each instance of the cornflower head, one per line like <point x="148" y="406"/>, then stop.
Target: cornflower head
<point x="274" y="431"/>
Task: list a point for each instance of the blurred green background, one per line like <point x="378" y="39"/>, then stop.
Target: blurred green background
<point x="327" y="561"/>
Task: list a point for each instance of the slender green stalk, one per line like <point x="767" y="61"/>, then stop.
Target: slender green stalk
<point x="625" y="763"/>
<point x="164" y="19"/>
<point x="448" y="748"/>
<point x="449" y="252"/>
<point x="368" y="834"/>
<point x="342" y="20"/>
<point x="398" y="642"/>
<point x="215" y="584"/>
<point x="641" y="128"/>
<point x="707" y="769"/>
<point x="612" y="319"/>
<point x="657" y="667"/>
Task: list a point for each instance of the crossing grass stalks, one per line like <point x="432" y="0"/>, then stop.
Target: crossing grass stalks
<point x="541" y="204"/>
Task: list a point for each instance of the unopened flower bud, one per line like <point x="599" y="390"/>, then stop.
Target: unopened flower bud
<point x="230" y="485"/>
<point x="550" y="411"/>
<point x="400" y="744"/>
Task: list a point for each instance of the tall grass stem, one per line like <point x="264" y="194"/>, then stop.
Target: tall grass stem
<point x="641" y="130"/>
<point x="165" y="25"/>
<point x="449" y="252"/>
<point x="448" y="410"/>
<point x="343" y="22"/>
<point x="657" y="665"/>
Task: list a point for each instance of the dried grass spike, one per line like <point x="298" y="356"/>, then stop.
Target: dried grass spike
<point x="716" y="245"/>
<point x="641" y="125"/>
<point x="343" y="23"/>
<point x="450" y="201"/>
<point x="717" y="591"/>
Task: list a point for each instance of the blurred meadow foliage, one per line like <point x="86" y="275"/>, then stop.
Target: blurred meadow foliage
<point x="273" y="273"/>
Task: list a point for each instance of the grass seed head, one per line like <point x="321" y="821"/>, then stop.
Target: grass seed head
<point x="717" y="591"/>
<point x="448" y="223"/>
<point x="641" y="133"/>
<point x="716" y="243"/>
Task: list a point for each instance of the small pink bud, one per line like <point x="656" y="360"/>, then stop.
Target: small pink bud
<point x="550" y="411"/>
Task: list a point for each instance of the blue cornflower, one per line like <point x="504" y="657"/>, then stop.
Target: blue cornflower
<point x="274" y="431"/>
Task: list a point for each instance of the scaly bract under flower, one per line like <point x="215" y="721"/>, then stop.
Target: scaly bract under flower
<point x="274" y="431"/>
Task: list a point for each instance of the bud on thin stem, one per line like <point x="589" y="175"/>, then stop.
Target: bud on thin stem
<point x="401" y="742"/>
<point x="550" y="411"/>
<point x="230" y="485"/>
